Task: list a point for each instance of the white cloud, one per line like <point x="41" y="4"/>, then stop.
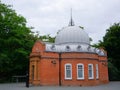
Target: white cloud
<point x="48" y="16"/>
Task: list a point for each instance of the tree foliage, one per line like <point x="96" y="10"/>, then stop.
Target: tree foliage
<point x="47" y="38"/>
<point x="111" y="43"/>
<point x="16" y="41"/>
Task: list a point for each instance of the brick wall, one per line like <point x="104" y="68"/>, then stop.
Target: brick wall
<point x="48" y="70"/>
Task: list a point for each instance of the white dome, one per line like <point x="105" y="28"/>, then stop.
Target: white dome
<point x="72" y="34"/>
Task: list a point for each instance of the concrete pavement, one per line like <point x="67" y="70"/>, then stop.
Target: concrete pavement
<point x="21" y="86"/>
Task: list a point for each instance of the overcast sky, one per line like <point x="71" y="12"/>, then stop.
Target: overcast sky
<point x="49" y="16"/>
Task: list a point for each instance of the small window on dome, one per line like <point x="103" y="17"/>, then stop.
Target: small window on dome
<point x="53" y="47"/>
<point x="79" y="48"/>
<point x="89" y="48"/>
<point x="101" y="53"/>
<point x="95" y="49"/>
<point x="67" y="48"/>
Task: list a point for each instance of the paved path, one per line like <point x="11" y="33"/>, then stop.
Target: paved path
<point x="21" y="86"/>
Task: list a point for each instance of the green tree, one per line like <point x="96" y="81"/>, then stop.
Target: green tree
<point x="47" y="38"/>
<point x="111" y="43"/>
<point x="16" y="41"/>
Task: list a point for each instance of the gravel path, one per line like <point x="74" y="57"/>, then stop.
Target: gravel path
<point x="21" y="86"/>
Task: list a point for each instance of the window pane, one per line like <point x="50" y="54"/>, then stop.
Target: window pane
<point x="90" y="67"/>
<point x="67" y="66"/>
<point x="97" y="73"/>
<point x="90" y="71"/>
<point x="79" y="66"/>
<point x="80" y="73"/>
<point x="68" y="73"/>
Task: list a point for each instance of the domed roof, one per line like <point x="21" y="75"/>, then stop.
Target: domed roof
<point x="72" y="39"/>
<point x="72" y="34"/>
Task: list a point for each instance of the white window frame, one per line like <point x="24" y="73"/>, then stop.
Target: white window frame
<point x="82" y="71"/>
<point x="92" y="77"/>
<point x="69" y="78"/>
<point x="97" y="72"/>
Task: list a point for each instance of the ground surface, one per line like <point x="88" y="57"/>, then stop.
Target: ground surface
<point x="21" y="86"/>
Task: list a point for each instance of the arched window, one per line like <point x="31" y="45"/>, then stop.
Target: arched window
<point x="90" y="71"/>
<point x="68" y="71"/>
<point x="80" y="71"/>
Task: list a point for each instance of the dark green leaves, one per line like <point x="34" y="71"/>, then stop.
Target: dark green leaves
<point x="111" y="42"/>
<point x="16" y="41"/>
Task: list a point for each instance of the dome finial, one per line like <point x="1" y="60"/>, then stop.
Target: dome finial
<point x="71" y="23"/>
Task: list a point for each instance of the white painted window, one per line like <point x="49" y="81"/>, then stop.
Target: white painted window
<point x="68" y="71"/>
<point x="80" y="71"/>
<point x="90" y="71"/>
<point x="97" y="72"/>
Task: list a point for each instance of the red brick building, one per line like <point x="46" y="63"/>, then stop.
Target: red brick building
<point x="71" y="60"/>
